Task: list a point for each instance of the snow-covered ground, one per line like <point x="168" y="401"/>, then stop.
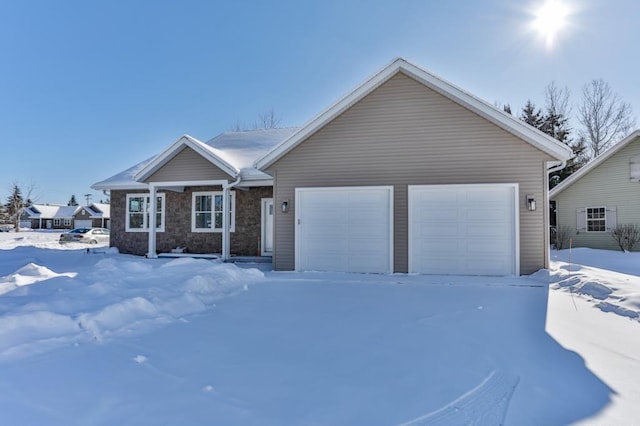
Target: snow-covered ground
<point x="101" y="338"/>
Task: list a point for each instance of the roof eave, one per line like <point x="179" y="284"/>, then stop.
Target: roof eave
<point x="507" y="122"/>
<point x="185" y="140"/>
<point x="593" y="164"/>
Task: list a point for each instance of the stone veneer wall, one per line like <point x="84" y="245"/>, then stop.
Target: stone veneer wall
<point x="245" y="241"/>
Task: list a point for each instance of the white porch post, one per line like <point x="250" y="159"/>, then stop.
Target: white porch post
<point x="151" y="252"/>
<point x="225" y="223"/>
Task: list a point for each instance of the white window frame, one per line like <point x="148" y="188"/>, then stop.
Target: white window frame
<point x="213" y="194"/>
<point x="590" y="220"/>
<point x="145" y="212"/>
<point x="66" y="222"/>
<point x="57" y="222"/>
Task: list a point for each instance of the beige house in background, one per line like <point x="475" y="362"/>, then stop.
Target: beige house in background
<point x="603" y="193"/>
<point x="406" y="173"/>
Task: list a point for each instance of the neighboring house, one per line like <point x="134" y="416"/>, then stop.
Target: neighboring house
<point x="48" y="216"/>
<point x="407" y="173"/>
<point x="603" y="193"/>
<point x="96" y="215"/>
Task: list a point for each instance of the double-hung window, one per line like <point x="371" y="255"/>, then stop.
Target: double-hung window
<point x="596" y="219"/>
<point x="138" y="208"/>
<point x="206" y="211"/>
<point x="57" y="222"/>
<point x="67" y="222"/>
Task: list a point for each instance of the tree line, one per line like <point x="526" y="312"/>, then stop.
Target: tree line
<point x="604" y="118"/>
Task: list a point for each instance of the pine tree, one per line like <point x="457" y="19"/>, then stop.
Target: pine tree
<point x="15" y="204"/>
<point x="72" y="201"/>
<point x="531" y="116"/>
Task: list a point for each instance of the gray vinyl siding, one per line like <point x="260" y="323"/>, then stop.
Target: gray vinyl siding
<point x="608" y="185"/>
<point x="187" y="165"/>
<point x="404" y="133"/>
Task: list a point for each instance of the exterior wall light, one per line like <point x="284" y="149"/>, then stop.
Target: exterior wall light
<point x="531" y="203"/>
<point x="284" y="206"/>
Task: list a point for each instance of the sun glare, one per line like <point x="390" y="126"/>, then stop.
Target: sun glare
<point x="550" y="19"/>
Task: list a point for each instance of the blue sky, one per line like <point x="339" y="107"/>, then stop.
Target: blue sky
<point x="88" y="89"/>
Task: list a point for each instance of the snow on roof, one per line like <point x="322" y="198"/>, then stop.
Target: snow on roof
<point x="99" y="210"/>
<point x="237" y="149"/>
<point x="51" y="211"/>
<point x="124" y="179"/>
<point x="243" y="148"/>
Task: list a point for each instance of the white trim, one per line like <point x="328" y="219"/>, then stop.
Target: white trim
<point x="264" y="215"/>
<point x="201" y="148"/>
<point x="506" y="121"/>
<point x="390" y="190"/>
<point x="586" y="217"/>
<point x="516" y="219"/>
<point x="213" y="194"/>
<point x="146" y="212"/>
<point x="592" y="164"/>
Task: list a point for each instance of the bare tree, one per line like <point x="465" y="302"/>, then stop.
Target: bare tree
<point x="605" y="117"/>
<point x="557" y="100"/>
<point x="267" y="120"/>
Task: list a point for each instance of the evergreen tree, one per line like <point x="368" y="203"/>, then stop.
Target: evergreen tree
<point x="72" y="201"/>
<point x="15" y="204"/>
<point x="532" y="117"/>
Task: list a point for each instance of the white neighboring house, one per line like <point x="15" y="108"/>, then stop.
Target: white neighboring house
<point x="48" y="216"/>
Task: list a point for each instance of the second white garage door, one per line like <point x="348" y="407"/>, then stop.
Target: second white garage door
<point x="347" y="229"/>
<point x="463" y="229"/>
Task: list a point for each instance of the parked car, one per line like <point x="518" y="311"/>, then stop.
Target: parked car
<point x="85" y="235"/>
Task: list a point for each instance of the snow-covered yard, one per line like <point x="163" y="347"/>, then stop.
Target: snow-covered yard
<point x="102" y="338"/>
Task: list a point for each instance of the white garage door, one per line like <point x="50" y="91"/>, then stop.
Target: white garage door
<point x="345" y="229"/>
<point x="463" y="229"/>
<point x="82" y="223"/>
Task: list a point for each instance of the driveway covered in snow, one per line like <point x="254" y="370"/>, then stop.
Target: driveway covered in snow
<point x="104" y="338"/>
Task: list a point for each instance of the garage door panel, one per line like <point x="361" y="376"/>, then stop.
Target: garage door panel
<point x="344" y="229"/>
<point x="463" y="229"/>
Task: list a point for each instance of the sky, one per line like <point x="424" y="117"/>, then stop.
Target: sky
<point x="88" y="89"/>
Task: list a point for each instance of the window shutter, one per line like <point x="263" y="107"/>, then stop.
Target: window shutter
<point x="581" y="220"/>
<point x="634" y="168"/>
<point x="611" y="219"/>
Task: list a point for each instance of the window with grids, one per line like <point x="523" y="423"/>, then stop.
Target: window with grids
<point x="206" y="212"/>
<point x="57" y="222"/>
<point x="138" y="208"/>
<point x="67" y="222"/>
<point x="596" y="219"/>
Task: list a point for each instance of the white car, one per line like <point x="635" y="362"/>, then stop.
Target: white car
<point x="85" y="235"/>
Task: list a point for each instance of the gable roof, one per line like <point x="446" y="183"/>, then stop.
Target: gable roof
<point x="48" y="211"/>
<point x="99" y="210"/>
<point x="593" y="164"/>
<point x="500" y="118"/>
<point x="211" y="154"/>
<point x="232" y="152"/>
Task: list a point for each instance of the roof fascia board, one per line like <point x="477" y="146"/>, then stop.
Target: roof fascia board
<point x="507" y="122"/>
<point x="593" y="164"/>
<point x="188" y="141"/>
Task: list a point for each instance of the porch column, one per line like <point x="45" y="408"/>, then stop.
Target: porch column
<point x="225" y="223"/>
<point x="151" y="252"/>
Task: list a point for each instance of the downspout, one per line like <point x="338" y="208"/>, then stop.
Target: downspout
<point x="547" y="218"/>
<point x="226" y="226"/>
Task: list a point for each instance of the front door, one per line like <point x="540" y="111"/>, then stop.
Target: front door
<point x="267" y="227"/>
